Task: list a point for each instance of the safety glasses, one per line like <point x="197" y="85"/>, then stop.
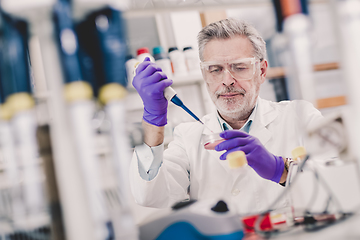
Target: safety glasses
<point x="241" y="69"/>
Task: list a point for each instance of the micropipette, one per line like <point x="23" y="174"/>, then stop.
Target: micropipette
<point x="170" y="95"/>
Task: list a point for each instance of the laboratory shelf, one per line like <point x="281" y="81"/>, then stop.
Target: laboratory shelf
<point x="277" y="72"/>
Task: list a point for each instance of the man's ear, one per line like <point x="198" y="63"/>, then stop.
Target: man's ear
<point x="263" y="70"/>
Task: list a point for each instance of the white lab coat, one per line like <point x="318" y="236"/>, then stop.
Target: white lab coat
<point x="190" y="169"/>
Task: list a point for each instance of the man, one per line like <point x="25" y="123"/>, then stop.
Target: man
<point x="233" y="64"/>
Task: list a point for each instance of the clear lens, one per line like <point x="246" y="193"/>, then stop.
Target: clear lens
<point x="241" y="69"/>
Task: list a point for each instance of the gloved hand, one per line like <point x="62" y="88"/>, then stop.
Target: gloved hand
<point x="267" y="165"/>
<point x="150" y="83"/>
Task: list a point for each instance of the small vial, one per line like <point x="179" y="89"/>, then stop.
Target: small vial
<point x="236" y="159"/>
<point x="298" y="154"/>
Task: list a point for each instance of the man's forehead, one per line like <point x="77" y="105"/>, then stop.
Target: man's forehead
<point x="228" y="49"/>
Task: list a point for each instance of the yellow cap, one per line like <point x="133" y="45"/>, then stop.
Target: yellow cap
<point x="78" y="90"/>
<point x="19" y="102"/>
<point x="298" y="153"/>
<point x="5" y="112"/>
<point x="236" y="159"/>
<point x="111" y="91"/>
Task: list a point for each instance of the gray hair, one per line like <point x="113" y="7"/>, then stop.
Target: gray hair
<point x="227" y="28"/>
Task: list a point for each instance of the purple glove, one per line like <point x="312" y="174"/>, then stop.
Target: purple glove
<point x="150" y="83"/>
<point x="267" y="165"/>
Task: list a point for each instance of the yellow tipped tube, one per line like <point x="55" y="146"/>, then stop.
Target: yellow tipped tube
<point x="236" y="159"/>
<point x="18" y="102"/>
<point x="110" y="92"/>
<point x="79" y="90"/>
<point x="298" y="153"/>
<point x="5" y="112"/>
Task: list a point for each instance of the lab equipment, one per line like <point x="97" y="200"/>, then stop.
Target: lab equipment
<point x="157" y="116"/>
<point x="319" y="184"/>
<point x="81" y="109"/>
<point x="28" y="199"/>
<point x="207" y="219"/>
<point x="107" y="51"/>
<point x="71" y="125"/>
<point x="209" y="141"/>
<point x="11" y="167"/>
<point x="298" y="153"/>
<point x="291" y="164"/>
<point x="46" y="154"/>
<point x="236" y="159"/>
<point x="178" y="62"/>
<point x="162" y="60"/>
<point x="76" y="214"/>
<point x="171" y="95"/>
<point x="267" y="165"/>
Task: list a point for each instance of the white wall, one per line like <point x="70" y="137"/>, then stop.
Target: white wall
<point x="186" y="26"/>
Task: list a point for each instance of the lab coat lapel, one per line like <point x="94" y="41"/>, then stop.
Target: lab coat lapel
<point x="265" y="114"/>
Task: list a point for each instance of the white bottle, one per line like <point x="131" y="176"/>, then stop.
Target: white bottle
<point x="178" y="62"/>
<point x="192" y="60"/>
<point x="142" y="53"/>
<point x="163" y="61"/>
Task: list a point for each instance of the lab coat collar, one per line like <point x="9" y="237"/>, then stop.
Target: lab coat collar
<point x="265" y="114"/>
<point x="246" y="127"/>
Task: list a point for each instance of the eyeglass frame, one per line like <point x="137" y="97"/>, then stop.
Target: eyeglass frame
<point x="253" y="61"/>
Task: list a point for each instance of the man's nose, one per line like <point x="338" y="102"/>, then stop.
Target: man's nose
<point x="228" y="79"/>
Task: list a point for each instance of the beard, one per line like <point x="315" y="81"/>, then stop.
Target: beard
<point x="237" y="107"/>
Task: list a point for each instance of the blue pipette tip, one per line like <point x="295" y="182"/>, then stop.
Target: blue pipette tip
<point x="179" y="103"/>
